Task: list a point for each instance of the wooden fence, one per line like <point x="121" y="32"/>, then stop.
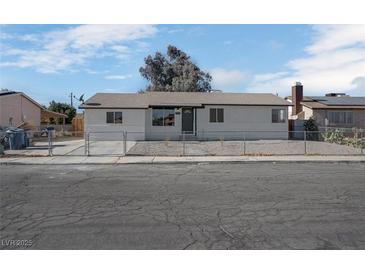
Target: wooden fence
<point x="78" y="123"/>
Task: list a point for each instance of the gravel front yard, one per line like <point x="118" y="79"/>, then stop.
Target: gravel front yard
<point x="261" y="147"/>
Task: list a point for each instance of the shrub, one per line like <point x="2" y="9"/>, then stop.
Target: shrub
<point x="333" y="136"/>
<point x="311" y="129"/>
<point x="337" y="136"/>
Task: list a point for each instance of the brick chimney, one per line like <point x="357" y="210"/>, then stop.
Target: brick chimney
<point x="297" y="97"/>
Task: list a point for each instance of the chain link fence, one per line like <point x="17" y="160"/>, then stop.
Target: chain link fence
<point x="43" y="143"/>
<point x="227" y="143"/>
<point x="333" y="141"/>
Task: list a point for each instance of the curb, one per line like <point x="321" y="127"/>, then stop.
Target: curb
<point x="157" y="162"/>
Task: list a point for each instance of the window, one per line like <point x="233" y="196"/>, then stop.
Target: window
<point x="340" y="117"/>
<point x="216" y="115"/>
<point x="118" y="118"/>
<point x="163" y="117"/>
<point x="114" y="117"/>
<point x="110" y="117"/>
<point x="278" y="116"/>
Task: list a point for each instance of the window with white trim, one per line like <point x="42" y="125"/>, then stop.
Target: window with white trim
<point x="114" y="117"/>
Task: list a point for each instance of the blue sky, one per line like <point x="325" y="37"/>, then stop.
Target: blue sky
<point x="50" y="61"/>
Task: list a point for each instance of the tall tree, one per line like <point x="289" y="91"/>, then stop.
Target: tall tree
<point x="63" y="108"/>
<point x="174" y="72"/>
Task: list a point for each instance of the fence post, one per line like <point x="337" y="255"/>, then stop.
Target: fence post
<point x="362" y="141"/>
<point x="244" y="143"/>
<point x="124" y="143"/>
<point x="50" y="153"/>
<point x="305" y="142"/>
<point x="88" y="144"/>
<point x="85" y="136"/>
<point x="183" y="143"/>
<point x="358" y="133"/>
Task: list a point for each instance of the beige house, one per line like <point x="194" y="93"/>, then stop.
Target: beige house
<point x="332" y="110"/>
<point x="19" y="110"/>
<point x="171" y="115"/>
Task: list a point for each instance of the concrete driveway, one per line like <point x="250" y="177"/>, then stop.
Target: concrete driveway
<point x="184" y="206"/>
<point x="104" y="148"/>
<point x="74" y="146"/>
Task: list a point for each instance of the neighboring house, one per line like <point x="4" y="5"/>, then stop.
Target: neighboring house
<point x="332" y="110"/>
<point x="166" y="115"/>
<point x="19" y="110"/>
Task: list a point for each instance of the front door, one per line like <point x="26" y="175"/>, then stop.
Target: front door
<point x="187" y="120"/>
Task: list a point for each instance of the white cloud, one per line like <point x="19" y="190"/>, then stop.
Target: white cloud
<point x="335" y="59"/>
<point x="269" y="76"/>
<point x="228" y="79"/>
<point x="118" y="77"/>
<point x="29" y="38"/>
<point x="92" y="71"/>
<point x="5" y="36"/>
<point x="60" y="50"/>
<point x="332" y="37"/>
<point x="173" y="31"/>
<point x="359" y="82"/>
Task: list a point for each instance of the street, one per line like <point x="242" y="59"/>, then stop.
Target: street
<point x="183" y="206"/>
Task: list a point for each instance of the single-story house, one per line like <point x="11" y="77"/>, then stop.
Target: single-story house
<point x="176" y="115"/>
<point x="19" y="110"/>
<point x="332" y="110"/>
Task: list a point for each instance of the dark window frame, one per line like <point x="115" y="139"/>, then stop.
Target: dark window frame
<point x="110" y="117"/>
<point x="344" y="117"/>
<point x="118" y="120"/>
<point x="166" y="117"/>
<point x="278" y="116"/>
<point x="216" y="115"/>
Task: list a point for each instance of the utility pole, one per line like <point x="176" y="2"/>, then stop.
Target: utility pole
<point x="71" y="99"/>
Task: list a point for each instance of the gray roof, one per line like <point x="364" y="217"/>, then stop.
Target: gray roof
<point x="331" y="102"/>
<point x="340" y="101"/>
<point x="179" y="99"/>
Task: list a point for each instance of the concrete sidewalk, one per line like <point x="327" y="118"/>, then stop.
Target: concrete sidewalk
<point x="76" y="160"/>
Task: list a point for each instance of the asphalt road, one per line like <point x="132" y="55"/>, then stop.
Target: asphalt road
<point x="195" y="206"/>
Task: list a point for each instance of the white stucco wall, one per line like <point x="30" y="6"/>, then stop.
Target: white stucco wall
<point x="308" y="112"/>
<point x="256" y="121"/>
<point x="290" y="108"/>
<point x="133" y="123"/>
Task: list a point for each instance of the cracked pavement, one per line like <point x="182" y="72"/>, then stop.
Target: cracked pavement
<point x="184" y="206"/>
